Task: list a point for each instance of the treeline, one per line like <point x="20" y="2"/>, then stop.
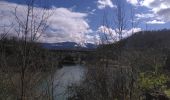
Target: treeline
<point x="135" y="68"/>
<point x="13" y="52"/>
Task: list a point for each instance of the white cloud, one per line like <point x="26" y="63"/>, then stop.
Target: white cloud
<point x="155" y="5"/>
<point x="101" y="4"/>
<point x="131" y="31"/>
<point x="95" y="38"/>
<point x="158" y="7"/>
<point x="67" y="25"/>
<point x="106" y="34"/>
<point x="111" y="34"/>
<point x="133" y="2"/>
<point x="106" y="30"/>
<point x="155" y="22"/>
<point x="164" y="14"/>
<point x="146" y="3"/>
<point x="63" y="25"/>
<point x="158" y="10"/>
<point x="144" y="15"/>
<point x="150" y="18"/>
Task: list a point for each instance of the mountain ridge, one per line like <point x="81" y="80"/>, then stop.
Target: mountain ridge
<point x="68" y="45"/>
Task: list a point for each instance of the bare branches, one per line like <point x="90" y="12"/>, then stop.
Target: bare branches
<point x="5" y="29"/>
<point x="120" y="20"/>
<point x="5" y="32"/>
<point x="32" y="23"/>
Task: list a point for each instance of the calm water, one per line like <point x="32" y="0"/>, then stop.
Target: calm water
<point x="65" y="77"/>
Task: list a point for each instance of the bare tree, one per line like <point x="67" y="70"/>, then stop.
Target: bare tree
<point x="29" y="29"/>
<point x="120" y="18"/>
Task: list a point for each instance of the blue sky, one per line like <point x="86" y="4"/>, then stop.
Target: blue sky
<point x="81" y="20"/>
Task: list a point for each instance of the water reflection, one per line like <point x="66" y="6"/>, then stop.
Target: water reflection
<point x="65" y="77"/>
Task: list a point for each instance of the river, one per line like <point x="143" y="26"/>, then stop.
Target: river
<point x="67" y="76"/>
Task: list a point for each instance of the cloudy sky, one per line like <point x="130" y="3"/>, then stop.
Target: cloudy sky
<point x="82" y="20"/>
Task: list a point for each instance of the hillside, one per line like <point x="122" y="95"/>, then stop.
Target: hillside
<point x="149" y="39"/>
<point x="143" y="40"/>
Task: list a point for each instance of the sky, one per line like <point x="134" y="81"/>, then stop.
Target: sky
<point x="81" y="21"/>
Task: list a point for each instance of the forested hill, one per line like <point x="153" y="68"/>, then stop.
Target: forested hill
<point x="143" y="40"/>
<point x="149" y="39"/>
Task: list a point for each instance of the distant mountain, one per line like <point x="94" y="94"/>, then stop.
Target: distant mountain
<point x="68" y="45"/>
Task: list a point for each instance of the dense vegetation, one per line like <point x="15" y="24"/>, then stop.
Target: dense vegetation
<point x="135" y="68"/>
<point x="24" y="66"/>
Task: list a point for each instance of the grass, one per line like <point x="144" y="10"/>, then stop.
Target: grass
<point x="167" y="92"/>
